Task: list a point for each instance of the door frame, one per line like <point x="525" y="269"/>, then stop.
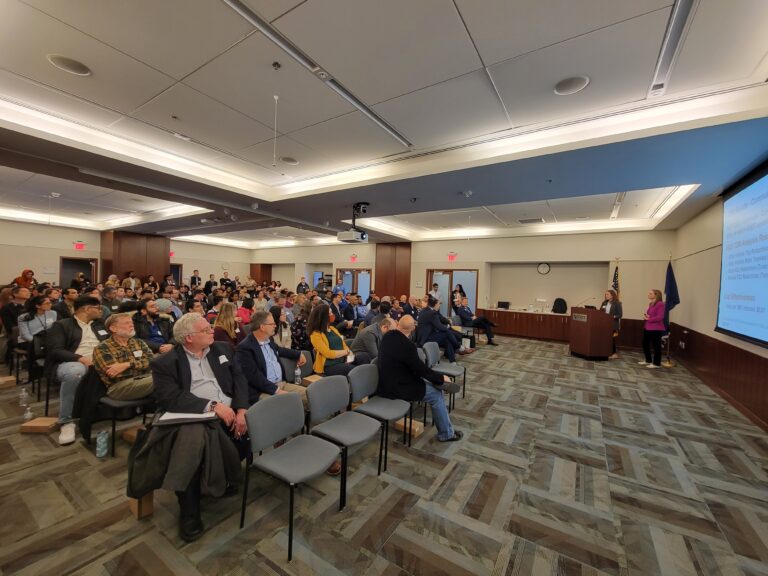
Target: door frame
<point x="181" y="272"/>
<point x="450" y="271"/>
<point x="94" y="262"/>
<point x="355" y="272"/>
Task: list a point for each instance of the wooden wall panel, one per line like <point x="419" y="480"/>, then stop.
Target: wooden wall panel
<point x="261" y="272"/>
<point x="737" y="375"/>
<point x="631" y="333"/>
<point x="107" y="254"/>
<point x="393" y="269"/>
<point x="158" y="254"/>
<point x="141" y="253"/>
<point x="402" y="269"/>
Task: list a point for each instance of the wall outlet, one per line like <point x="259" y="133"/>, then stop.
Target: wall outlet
<point x="682" y="345"/>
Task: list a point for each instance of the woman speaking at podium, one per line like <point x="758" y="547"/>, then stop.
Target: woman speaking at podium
<point x="612" y="306"/>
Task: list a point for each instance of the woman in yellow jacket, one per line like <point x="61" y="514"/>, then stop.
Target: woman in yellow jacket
<point x="331" y="352"/>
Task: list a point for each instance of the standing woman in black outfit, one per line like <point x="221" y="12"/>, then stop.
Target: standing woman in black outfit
<point x="612" y="306"/>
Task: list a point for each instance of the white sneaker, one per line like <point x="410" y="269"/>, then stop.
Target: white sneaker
<point x="67" y="434"/>
<point x="653" y="366"/>
<point x="643" y="363"/>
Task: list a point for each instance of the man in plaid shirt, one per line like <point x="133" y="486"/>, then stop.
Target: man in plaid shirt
<point x="122" y="360"/>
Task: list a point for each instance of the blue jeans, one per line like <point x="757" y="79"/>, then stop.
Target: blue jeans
<point x="436" y="401"/>
<point x="69" y="374"/>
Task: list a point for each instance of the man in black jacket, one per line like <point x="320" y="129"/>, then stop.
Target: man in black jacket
<point x="259" y="359"/>
<point x="403" y="375"/>
<point x="69" y="347"/>
<point x="197" y="376"/>
<point x="155" y="330"/>
<point x="433" y="329"/>
<point x="302" y="287"/>
<point x="469" y="320"/>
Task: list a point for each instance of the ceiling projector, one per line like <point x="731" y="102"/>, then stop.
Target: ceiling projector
<point x="352" y="236"/>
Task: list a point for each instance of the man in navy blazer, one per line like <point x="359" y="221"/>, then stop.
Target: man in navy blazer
<point x="259" y="359"/>
<point x="433" y="329"/>
<point x="469" y="320"/>
<point x="197" y="376"/>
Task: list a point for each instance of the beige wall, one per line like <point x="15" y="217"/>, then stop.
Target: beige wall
<point x="285" y="274"/>
<point x="643" y="258"/>
<point x="697" y="271"/>
<point x="40" y="247"/>
<point x="211" y="259"/>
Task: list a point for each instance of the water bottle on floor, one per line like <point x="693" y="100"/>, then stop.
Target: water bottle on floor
<point x="297" y="375"/>
<point x="24" y="397"/>
<point x="28" y="414"/>
<point x="102" y="444"/>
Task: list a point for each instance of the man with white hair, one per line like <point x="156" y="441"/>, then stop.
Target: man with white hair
<point x="199" y="376"/>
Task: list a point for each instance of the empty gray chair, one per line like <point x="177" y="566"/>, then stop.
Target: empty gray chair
<point x="289" y="366"/>
<point x="327" y="397"/>
<point x="300" y="459"/>
<point x="453" y="371"/>
<point x="115" y="406"/>
<point x="364" y="381"/>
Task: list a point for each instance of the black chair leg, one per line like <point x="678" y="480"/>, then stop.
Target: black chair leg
<point x="114" y="422"/>
<point x="386" y="444"/>
<point x="290" y="525"/>
<point x="47" y="393"/>
<point x="343" y="495"/>
<point x="245" y="489"/>
<point x="410" y="426"/>
<point x="381" y="448"/>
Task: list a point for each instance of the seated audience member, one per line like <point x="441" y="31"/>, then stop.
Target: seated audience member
<point x="372" y="312"/>
<point x="282" y="332"/>
<point x="260" y="302"/>
<point x="168" y="282"/>
<point x="342" y="324"/>
<point x="199" y="295"/>
<point x="38" y="318"/>
<point x="12" y="310"/>
<point x="168" y="308"/>
<point x="213" y="311"/>
<point x="122" y="360"/>
<point x="362" y="309"/>
<point x="456" y="296"/>
<point x="245" y="311"/>
<point x="110" y="300"/>
<point x="299" y="336"/>
<point x="129" y="306"/>
<point x="469" y="320"/>
<point x="258" y="356"/>
<point x="131" y="282"/>
<point x="69" y="346"/>
<point x="331" y="351"/>
<point x="351" y="311"/>
<point x="385" y="307"/>
<point x="368" y="339"/>
<point x="226" y="282"/>
<point x="65" y="308"/>
<point x="397" y="311"/>
<point x="432" y="329"/>
<point x="112" y="281"/>
<point x="151" y="284"/>
<point x="183" y="294"/>
<point x="155" y="330"/>
<point x="199" y="375"/>
<point x="130" y="294"/>
<point x="95" y="292"/>
<point x="26" y="279"/>
<point x="194" y="305"/>
<point x="403" y="375"/>
<point x="226" y="328"/>
<point x="412" y="307"/>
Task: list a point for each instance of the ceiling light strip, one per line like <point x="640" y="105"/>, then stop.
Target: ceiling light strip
<point x="286" y="46"/>
<point x="670" y="47"/>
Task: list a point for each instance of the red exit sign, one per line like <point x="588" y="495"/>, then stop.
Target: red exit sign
<point x="78" y="245"/>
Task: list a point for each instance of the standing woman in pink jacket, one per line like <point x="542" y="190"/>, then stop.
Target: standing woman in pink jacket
<point x="654" y="329"/>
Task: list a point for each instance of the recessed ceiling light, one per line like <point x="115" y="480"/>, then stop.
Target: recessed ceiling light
<point x="289" y="160"/>
<point x="69" y="65"/>
<point x="582" y="217"/>
<point x="571" y="85"/>
<point x="182" y="137"/>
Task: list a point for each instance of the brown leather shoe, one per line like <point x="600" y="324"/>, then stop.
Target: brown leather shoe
<point x="334" y="469"/>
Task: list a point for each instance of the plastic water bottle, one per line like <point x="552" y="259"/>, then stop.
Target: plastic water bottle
<point x="28" y="414"/>
<point x="24" y="397"/>
<point x="297" y="375"/>
<point x="102" y="444"/>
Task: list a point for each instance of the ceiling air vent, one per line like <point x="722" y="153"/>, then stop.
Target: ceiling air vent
<point x="532" y="221"/>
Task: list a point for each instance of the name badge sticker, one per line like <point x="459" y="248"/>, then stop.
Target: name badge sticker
<point x="237" y="330"/>
<point x="223" y="359"/>
<point x="137" y="353"/>
<point x="102" y="332"/>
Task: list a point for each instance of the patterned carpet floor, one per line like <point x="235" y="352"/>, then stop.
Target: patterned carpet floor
<point x="568" y="467"/>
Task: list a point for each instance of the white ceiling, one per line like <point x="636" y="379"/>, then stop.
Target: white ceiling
<point x="442" y="73"/>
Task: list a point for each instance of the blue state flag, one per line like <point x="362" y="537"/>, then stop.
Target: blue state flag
<point x="672" y="295"/>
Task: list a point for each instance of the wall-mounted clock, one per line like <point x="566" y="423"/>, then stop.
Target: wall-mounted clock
<point x="543" y="268"/>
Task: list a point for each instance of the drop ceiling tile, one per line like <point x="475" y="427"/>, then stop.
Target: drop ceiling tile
<point x="619" y="60"/>
<point x="245" y="80"/>
<point x="202" y="119"/>
<point x="511" y="213"/>
<point x="380" y="50"/>
<point x="41" y="185"/>
<point x="126" y="201"/>
<point x="174" y="36"/>
<point x="310" y="161"/>
<point x="10" y="178"/>
<point x="247" y="169"/>
<point x="38" y="96"/>
<point x="642" y="203"/>
<point x="594" y="207"/>
<point x="503" y="29"/>
<point x="742" y="43"/>
<point x="271" y="9"/>
<point x="349" y="140"/>
<point x="453" y="110"/>
<point x="118" y="81"/>
<point x="162" y="140"/>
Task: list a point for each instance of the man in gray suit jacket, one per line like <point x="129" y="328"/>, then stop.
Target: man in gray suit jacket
<point x="369" y="338"/>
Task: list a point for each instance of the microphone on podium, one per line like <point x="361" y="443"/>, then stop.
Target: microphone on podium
<point x="585" y="301"/>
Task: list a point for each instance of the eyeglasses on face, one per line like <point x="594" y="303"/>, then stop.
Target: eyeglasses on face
<point x="208" y="330"/>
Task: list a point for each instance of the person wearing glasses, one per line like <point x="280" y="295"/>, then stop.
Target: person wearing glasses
<point x="70" y="345"/>
<point x="200" y="376"/>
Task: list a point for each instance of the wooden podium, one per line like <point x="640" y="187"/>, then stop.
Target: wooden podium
<point x="591" y="333"/>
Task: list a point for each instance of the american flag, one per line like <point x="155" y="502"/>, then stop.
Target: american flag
<point x="615" y="283"/>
